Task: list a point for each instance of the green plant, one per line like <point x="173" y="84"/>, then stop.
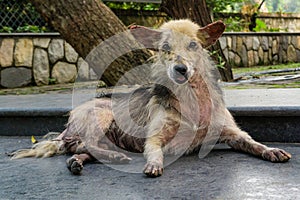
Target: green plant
<point x="223" y="5"/>
<point x="132" y="5"/>
<point x="6" y="29"/>
<point x="234" y="24"/>
<point x="31" y="29"/>
<point x="52" y="81"/>
<point x="220" y="63"/>
<point x="260" y="26"/>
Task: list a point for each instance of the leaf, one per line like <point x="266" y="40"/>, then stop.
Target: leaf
<point x="33" y="140"/>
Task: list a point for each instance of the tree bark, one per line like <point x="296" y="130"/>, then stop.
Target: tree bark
<point x="197" y="11"/>
<point x="85" y="24"/>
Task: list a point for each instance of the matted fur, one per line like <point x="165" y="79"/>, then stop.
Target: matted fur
<point x="172" y="115"/>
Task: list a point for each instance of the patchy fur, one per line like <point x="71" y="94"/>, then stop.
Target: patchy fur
<point x="181" y="112"/>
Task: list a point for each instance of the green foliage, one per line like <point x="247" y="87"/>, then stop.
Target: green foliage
<point x="32" y="29"/>
<point x="222" y="5"/>
<point x="6" y="29"/>
<point x="132" y="5"/>
<point x="220" y="63"/>
<point x="52" y="81"/>
<point x="260" y="26"/>
<point x="20" y="16"/>
<point x="24" y="29"/>
<point x="234" y="24"/>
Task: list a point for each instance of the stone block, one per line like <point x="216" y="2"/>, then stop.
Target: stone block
<point x="70" y="53"/>
<point x="83" y="70"/>
<point x="270" y="54"/>
<point x="239" y="44"/>
<point x="266" y="58"/>
<point x="244" y="56"/>
<point x="265" y="43"/>
<point x="275" y="60"/>
<point x="249" y="43"/>
<point x="250" y="58"/>
<point x="256" y="43"/>
<point x="275" y="47"/>
<point x="256" y="58"/>
<point x="56" y="50"/>
<point x="41" y="69"/>
<point x="41" y="42"/>
<point x="231" y="56"/>
<point x="261" y="54"/>
<point x="23" y="53"/>
<point x="64" y="72"/>
<point x="15" y="77"/>
<point x="229" y="43"/>
<point x="291" y="54"/>
<point x="298" y="55"/>
<point x="284" y="43"/>
<point x="270" y="41"/>
<point x="284" y="56"/>
<point x="298" y="42"/>
<point x="234" y="43"/>
<point x="237" y="60"/>
<point x="6" y="52"/>
<point x="225" y="52"/>
<point x="223" y="43"/>
<point x="294" y="41"/>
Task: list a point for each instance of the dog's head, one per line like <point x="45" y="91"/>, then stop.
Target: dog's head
<point x="179" y="44"/>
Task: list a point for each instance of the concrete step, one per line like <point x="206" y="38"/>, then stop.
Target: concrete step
<point x="269" y="115"/>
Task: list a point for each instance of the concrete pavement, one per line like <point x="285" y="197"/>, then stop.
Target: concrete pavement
<point x="223" y="174"/>
<point x="269" y="115"/>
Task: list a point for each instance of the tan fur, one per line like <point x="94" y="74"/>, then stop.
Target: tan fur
<point x="173" y="115"/>
<point x="40" y="150"/>
<point x="182" y="26"/>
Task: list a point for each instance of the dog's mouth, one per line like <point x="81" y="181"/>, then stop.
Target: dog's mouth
<point x="179" y="73"/>
<point x="179" y="78"/>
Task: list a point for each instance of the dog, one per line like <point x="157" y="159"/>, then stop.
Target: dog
<point x="181" y="112"/>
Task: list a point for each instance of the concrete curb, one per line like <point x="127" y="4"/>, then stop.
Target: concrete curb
<point x="268" y="115"/>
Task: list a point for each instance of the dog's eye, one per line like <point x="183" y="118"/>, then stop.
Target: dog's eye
<point x="193" y="45"/>
<point x="166" y="47"/>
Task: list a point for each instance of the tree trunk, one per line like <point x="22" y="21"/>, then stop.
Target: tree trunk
<point x="85" y="24"/>
<point x="197" y="11"/>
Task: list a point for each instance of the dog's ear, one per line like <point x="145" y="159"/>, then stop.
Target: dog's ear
<point x="146" y="36"/>
<point x="209" y="34"/>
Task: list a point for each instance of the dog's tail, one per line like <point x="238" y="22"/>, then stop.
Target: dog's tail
<point x="43" y="149"/>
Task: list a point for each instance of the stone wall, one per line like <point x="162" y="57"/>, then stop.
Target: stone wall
<point x="283" y="22"/>
<point x="289" y="22"/>
<point x="39" y="59"/>
<point x="253" y="49"/>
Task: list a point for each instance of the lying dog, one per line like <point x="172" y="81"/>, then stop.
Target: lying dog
<point x="181" y="112"/>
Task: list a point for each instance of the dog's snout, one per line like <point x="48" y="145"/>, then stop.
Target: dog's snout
<point x="180" y="68"/>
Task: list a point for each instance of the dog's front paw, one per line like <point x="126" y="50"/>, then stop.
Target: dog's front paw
<point x="153" y="169"/>
<point x="276" y="155"/>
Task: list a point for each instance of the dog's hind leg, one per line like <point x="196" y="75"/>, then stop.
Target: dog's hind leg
<point x="90" y="122"/>
<point x="75" y="163"/>
<point x="88" y="153"/>
<point x="241" y="141"/>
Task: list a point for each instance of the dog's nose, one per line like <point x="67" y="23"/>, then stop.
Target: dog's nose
<point x="180" y="68"/>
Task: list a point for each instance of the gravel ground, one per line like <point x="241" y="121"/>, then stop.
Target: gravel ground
<point x="223" y="174"/>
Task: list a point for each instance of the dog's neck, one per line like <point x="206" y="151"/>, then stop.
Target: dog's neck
<point x="192" y="100"/>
